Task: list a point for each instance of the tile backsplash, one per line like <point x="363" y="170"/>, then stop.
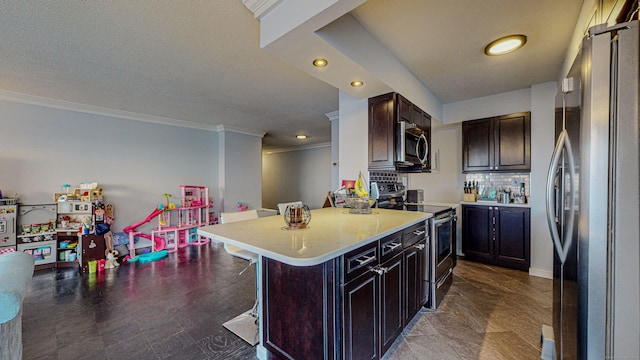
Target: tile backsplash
<point x="501" y="182"/>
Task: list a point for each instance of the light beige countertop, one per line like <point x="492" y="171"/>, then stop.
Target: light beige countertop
<point x="494" y="203"/>
<point x="332" y="232"/>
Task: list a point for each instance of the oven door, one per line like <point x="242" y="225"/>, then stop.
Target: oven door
<point x="443" y="234"/>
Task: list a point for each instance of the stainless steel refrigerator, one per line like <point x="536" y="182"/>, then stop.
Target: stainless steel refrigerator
<point x="592" y="202"/>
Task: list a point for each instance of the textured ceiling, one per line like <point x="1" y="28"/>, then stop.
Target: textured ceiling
<point x="200" y="61"/>
<point x="442" y="42"/>
<point x="197" y="61"/>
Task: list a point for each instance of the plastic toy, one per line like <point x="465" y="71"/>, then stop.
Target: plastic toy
<point x="175" y="224"/>
<point x="112" y="259"/>
<point x="149" y="257"/>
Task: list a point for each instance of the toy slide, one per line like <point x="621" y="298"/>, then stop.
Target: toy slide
<point x="131" y="229"/>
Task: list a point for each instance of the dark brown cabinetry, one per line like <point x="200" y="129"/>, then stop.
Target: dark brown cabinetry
<point x="93" y="247"/>
<point x="501" y="143"/>
<point x="415" y="294"/>
<point x="382" y="129"/>
<point x="385" y="111"/>
<point x="497" y="235"/>
<point x="350" y="307"/>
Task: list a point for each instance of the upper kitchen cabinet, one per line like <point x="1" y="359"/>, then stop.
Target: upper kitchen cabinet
<point x="382" y="127"/>
<point x="386" y="114"/>
<point x="501" y="143"/>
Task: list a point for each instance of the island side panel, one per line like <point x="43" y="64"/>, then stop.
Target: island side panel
<point x="298" y="309"/>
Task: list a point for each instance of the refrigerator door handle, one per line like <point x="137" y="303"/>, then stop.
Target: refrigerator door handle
<point x="562" y="247"/>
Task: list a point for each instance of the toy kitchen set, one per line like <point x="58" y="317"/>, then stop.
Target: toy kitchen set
<point x="68" y="232"/>
<point x="8" y="231"/>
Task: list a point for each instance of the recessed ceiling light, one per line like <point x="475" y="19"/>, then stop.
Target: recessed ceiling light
<point x="505" y="45"/>
<point x="320" y="62"/>
<point x="301" y="137"/>
<point x="357" y="83"/>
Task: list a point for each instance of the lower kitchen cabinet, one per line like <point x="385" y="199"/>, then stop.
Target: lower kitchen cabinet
<point x="391" y="301"/>
<point x="415" y="293"/>
<point x="361" y="320"/>
<point x="497" y="235"/>
<point x="351" y="307"/>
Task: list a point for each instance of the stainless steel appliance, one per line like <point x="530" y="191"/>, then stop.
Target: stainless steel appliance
<point x="592" y="202"/>
<point x="441" y="251"/>
<point x="391" y="195"/>
<point x="8" y="213"/>
<point x="412" y="145"/>
<point x="415" y="196"/>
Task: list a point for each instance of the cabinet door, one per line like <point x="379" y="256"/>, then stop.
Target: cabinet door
<point x="512" y="142"/>
<point x="413" y="281"/>
<point x="93" y="247"/>
<point x="477" y="232"/>
<point x="416" y="116"/>
<point x="477" y="145"/>
<point x="381" y="132"/>
<point x="391" y="300"/>
<point x="405" y="108"/>
<point x="361" y="322"/>
<point x="512" y="237"/>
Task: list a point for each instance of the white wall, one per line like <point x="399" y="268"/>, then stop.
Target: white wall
<point x="542" y="144"/>
<point x="134" y="162"/>
<point x="240" y="170"/>
<point x="446" y="183"/>
<point x="354" y="136"/>
<point x="303" y="174"/>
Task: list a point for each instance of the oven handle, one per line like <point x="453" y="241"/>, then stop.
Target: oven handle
<point x="442" y="221"/>
<point x="444" y="278"/>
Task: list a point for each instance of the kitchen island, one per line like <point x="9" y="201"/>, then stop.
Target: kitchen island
<point x="342" y="288"/>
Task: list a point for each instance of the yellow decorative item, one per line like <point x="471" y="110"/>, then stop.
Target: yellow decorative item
<point x="360" y="187"/>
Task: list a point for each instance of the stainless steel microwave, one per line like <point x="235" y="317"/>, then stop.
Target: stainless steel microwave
<point x="413" y="146"/>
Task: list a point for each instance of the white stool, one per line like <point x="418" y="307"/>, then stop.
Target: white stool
<point x="244" y="325"/>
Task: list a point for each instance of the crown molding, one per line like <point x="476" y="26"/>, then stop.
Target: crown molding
<point x="98" y="110"/>
<point x="334" y="115"/>
<point x="239" y="130"/>
<point x="297" y="148"/>
<point x="260" y="7"/>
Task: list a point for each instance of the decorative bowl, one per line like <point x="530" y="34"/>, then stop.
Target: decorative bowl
<point x="360" y="205"/>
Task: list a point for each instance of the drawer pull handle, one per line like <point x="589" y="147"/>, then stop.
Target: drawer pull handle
<point x="392" y="246"/>
<point x="379" y="270"/>
<point x="419" y="246"/>
<point x="365" y="259"/>
<point x="418" y="232"/>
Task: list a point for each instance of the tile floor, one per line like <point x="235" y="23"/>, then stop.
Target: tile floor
<point x="489" y="313"/>
<point x="174" y="309"/>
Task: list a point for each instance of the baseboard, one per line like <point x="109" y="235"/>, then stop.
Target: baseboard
<point x="541" y="273"/>
<point x="261" y="352"/>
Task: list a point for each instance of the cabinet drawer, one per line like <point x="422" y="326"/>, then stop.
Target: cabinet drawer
<point x="415" y="233"/>
<point x="390" y="246"/>
<point x="359" y="261"/>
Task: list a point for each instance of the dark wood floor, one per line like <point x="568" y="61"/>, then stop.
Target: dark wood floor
<point x="174" y="309"/>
